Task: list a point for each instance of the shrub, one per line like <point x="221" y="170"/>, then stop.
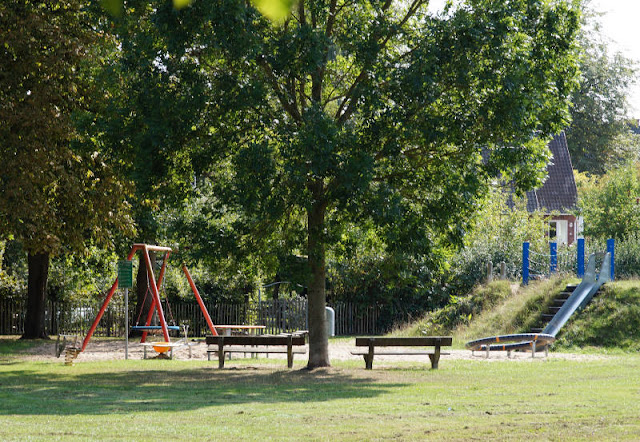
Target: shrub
<point x="498" y="235"/>
<point x="627" y="256"/>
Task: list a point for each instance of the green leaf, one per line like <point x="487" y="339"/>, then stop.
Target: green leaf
<point x="179" y="4"/>
<point x="274" y="10"/>
<point x="114" y="7"/>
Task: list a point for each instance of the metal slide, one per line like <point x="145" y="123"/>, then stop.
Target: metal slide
<point x="578" y="300"/>
<point x="582" y="294"/>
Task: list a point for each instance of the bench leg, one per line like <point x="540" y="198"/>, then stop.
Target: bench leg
<point x="221" y="356"/>
<point x="435" y="358"/>
<point x="368" y="361"/>
<point x="290" y="357"/>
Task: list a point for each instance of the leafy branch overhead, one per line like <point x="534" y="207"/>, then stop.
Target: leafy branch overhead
<point x="274" y="10"/>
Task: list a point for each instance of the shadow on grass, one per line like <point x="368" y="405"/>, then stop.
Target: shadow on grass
<point x="27" y="392"/>
<point x="15" y="345"/>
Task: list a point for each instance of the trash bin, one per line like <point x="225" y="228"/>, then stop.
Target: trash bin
<point x="331" y="321"/>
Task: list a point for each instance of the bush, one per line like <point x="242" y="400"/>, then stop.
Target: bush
<point x="627" y="256"/>
<point x="609" y="204"/>
<point x="498" y="236"/>
<point x="13" y="282"/>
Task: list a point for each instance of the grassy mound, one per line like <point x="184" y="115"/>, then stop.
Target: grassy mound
<point x="611" y="320"/>
<point x="497" y="308"/>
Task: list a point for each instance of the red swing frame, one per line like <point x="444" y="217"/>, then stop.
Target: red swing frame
<point x="156" y="305"/>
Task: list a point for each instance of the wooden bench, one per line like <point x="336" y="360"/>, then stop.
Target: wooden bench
<point x="428" y="341"/>
<point x="223" y="345"/>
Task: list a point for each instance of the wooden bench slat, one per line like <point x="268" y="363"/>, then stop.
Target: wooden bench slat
<point x="426" y="341"/>
<point x="256" y="340"/>
<point x="258" y="350"/>
<point x="397" y="353"/>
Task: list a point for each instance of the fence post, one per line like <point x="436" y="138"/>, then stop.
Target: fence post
<point x="611" y="247"/>
<point x="580" y="257"/>
<point x="553" y="262"/>
<point x="489" y="271"/>
<point x="503" y="270"/>
<point x="525" y="263"/>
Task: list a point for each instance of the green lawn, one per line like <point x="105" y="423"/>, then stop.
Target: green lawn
<point x="463" y="400"/>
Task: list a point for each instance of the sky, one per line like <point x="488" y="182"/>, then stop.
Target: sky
<point x="621" y="26"/>
<point x="621" y="23"/>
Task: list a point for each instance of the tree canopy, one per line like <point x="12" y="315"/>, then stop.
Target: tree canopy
<point x="599" y="136"/>
<point x="56" y="191"/>
<point x="378" y="113"/>
<point x="611" y="203"/>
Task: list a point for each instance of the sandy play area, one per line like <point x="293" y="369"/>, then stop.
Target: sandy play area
<point x="102" y="349"/>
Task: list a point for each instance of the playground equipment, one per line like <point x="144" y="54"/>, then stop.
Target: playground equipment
<point x="156" y="304"/>
<point x="582" y="294"/>
<point x="580" y="297"/>
<point x="163" y="347"/>
<point x="536" y="264"/>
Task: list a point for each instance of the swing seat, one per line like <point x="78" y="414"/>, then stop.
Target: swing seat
<point x="162" y="347"/>
<point x="153" y="327"/>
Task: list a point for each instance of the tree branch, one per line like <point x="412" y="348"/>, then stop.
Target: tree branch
<point x="282" y="97"/>
<point x="301" y="13"/>
<point x="348" y="105"/>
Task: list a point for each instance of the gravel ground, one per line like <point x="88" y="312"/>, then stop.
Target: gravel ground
<point x="101" y="350"/>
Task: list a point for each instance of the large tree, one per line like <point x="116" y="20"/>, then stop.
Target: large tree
<point x="599" y="136"/>
<point x="56" y="191"/>
<point x="371" y="112"/>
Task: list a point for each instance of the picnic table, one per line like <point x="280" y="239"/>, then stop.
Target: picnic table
<point x="227" y="329"/>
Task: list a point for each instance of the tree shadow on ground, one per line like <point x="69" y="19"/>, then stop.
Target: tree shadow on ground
<point x="30" y="392"/>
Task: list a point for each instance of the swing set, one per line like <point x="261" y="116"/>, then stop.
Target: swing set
<point x="156" y="304"/>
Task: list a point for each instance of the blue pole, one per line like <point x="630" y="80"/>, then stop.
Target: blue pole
<point x="525" y="263"/>
<point x="580" y="257"/>
<point x="553" y="252"/>
<point x="611" y="247"/>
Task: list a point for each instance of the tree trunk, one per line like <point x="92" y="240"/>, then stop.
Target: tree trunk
<point x="34" y="326"/>
<point x="318" y="338"/>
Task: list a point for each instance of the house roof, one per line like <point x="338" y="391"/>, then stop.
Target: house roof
<point x="559" y="192"/>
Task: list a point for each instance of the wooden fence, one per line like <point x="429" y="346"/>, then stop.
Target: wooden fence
<point x="282" y="315"/>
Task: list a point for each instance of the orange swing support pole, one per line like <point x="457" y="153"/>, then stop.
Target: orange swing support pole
<point x="156" y="295"/>
<point x="112" y="290"/>
<point x="153" y="302"/>
<point x="205" y="312"/>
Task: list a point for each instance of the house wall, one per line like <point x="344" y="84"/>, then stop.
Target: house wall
<point x="571" y="227"/>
